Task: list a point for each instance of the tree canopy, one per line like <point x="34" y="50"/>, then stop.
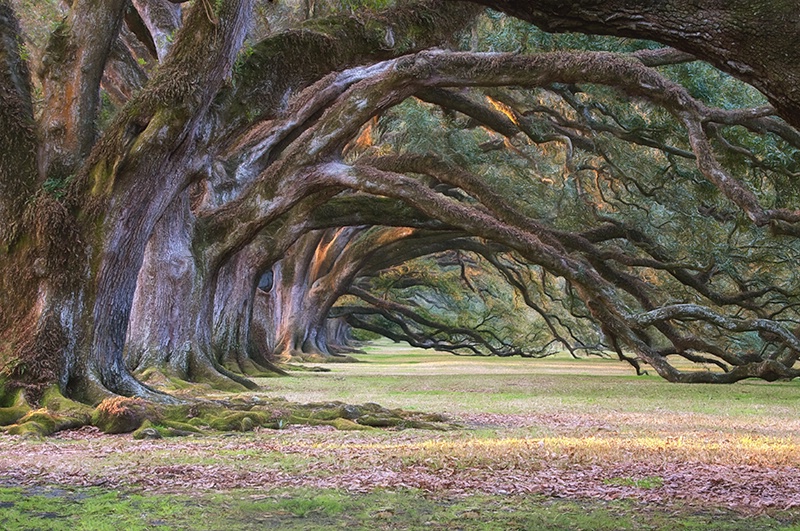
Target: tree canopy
<point x="209" y="189"/>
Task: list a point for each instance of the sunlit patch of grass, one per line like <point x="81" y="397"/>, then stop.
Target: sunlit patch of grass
<point x="529" y="453"/>
<point x="742" y="450"/>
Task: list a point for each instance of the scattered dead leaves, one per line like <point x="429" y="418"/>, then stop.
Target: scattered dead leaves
<point x="747" y="468"/>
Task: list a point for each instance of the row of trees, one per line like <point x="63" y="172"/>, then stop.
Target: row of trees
<point x="199" y="187"/>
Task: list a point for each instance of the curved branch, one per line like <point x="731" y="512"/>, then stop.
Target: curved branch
<point x="401" y="316"/>
<point x="706" y="29"/>
<point x="281" y="64"/>
<point x="513" y="278"/>
<point x="161" y="20"/>
<point x="696" y="312"/>
<point x="663" y="57"/>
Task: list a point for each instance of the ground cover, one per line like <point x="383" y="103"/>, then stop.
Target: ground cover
<point x="542" y="444"/>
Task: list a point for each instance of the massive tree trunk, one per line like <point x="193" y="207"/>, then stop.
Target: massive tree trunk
<point x="340" y="336"/>
<point x="119" y="191"/>
<point x="174" y="305"/>
<point x="233" y="309"/>
<point x="162" y="323"/>
<point x="18" y="182"/>
<point x="292" y="307"/>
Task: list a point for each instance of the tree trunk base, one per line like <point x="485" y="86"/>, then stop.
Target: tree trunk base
<point x="255" y="369"/>
<point x="203" y="376"/>
<point x="345" y="349"/>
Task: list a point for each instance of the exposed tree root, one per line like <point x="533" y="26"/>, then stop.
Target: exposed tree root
<point x="255" y="369"/>
<point x="55" y="414"/>
<point x="191" y="366"/>
<point x="89" y="388"/>
<point x="196" y="417"/>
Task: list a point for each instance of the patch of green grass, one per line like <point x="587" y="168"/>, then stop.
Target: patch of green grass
<point x="296" y="509"/>
<point x="88" y="510"/>
<point x="650" y="482"/>
<point x="399" y="376"/>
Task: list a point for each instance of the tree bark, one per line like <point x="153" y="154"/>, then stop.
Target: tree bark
<point x="73" y="67"/>
<point x="162" y="19"/>
<point x="18" y="180"/>
<point x="161" y="322"/>
<point x="18" y="142"/>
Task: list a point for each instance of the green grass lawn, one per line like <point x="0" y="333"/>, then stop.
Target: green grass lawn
<point x="401" y="376"/>
<point x="639" y="438"/>
<point x="97" y="510"/>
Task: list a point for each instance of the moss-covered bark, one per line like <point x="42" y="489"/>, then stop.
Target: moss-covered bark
<point x="281" y="64"/>
<point x="73" y="67"/>
<point x="18" y="142"/>
<point x="20" y="260"/>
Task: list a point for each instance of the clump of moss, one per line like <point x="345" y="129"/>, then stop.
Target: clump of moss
<point x="57" y="403"/>
<point x="348" y="425"/>
<point x="120" y="414"/>
<point x="10" y="415"/>
<point x="147" y="431"/>
<point x="43" y="422"/>
<point x="40" y="421"/>
<point x="14" y="407"/>
<point x="163" y="429"/>
<point x="181" y="428"/>
<point x="33" y="429"/>
<point x="55" y="414"/>
<point x="241" y="421"/>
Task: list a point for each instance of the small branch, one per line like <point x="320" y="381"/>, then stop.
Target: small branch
<point x="663" y="57"/>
